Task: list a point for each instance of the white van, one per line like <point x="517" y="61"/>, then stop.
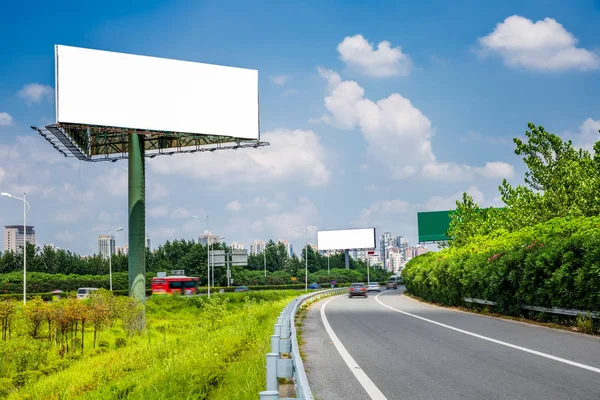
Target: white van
<point x="84" y="292"/>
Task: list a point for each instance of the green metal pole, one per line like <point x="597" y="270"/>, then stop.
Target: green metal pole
<point x="137" y="219"/>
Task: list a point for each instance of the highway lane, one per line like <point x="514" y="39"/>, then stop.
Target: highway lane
<point x="410" y="358"/>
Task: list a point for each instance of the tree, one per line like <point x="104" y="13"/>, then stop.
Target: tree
<point x="560" y="181"/>
<point x="35" y="313"/>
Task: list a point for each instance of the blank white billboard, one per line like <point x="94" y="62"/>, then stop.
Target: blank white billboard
<point x="346" y="239"/>
<point x="104" y="88"/>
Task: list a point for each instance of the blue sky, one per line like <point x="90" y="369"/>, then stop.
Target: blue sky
<point x="360" y="134"/>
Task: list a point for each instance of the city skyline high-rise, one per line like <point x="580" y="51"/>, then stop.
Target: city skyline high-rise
<point x="14" y="237"/>
<point x="106" y="246"/>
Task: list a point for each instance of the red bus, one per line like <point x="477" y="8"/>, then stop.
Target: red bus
<point x="171" y="285"/>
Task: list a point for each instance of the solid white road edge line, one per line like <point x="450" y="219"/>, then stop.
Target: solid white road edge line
<point x="367" y="384"/>
<point x="489" y="339"/>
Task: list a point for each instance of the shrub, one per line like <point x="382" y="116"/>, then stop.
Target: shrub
<point x="103" y="344"/>
<point x="585" y="324"/>
<point x="120" y="342"/>
<point x="553" y="264"/>
<point x="6" y="386"/>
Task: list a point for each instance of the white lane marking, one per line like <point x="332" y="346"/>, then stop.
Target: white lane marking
<point x="489" y="339"/>
<point x="367" y="384"/>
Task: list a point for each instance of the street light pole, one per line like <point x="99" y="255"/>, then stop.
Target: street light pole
<point x="306" y="262"/>
<point x="110" y="256"/>
<point x="328" y="256"/>
<point x="26" y="205"/>
<point x="265" y="260"/>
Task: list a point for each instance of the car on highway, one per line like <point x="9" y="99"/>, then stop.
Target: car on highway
<point x="357" y="289"/>
<point x="314" y="286"/>
<point x="84" y="292"/>
<point x="374" y="287"/>
<point x="242" y="289"/>
<point x="392" y="283"/>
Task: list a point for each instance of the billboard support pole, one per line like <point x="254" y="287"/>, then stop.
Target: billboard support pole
<point x="347" y="259"/>
<point x="137" y="220"/>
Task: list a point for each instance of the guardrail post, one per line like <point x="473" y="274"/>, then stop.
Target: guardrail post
<point x="272" y="382"/>
<point x="275" y="343"/>
<point x="277" y="330"/>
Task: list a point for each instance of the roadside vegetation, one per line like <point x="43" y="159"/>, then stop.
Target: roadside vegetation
<point x="541" y="249"/>
<point x="49" y="269"/>
<point x="192" y="347"/>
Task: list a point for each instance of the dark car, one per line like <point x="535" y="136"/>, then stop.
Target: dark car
<point x="314" y="286"/>
<point x="357" y="289"/>
<point x="242" y="289"/>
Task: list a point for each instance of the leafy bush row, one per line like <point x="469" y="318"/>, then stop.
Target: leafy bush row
<point x="552" y="264"/>
<point x="41" y="284"/>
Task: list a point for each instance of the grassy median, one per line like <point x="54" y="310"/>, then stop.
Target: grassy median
<point x="193" y="348"/>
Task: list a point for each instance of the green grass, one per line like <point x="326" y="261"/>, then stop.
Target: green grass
<point x="194" y="348"/>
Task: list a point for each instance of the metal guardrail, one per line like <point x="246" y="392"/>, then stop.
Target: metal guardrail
<point x="553" y="310"/>
<point x="284" y="360"/>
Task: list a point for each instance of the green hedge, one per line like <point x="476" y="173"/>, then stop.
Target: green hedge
<point x="553" y="264"/>
<point x="40" y="282"/>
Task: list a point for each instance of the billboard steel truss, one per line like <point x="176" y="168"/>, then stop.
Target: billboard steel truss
<point x="98" y="143"/>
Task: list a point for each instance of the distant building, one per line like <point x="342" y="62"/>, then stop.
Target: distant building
<point x="288" y="247"/>
<point x="14" y="237"/>
<point x="148" y="243"/>
<point x="237" y="246"/>
<point x="257" y="247"/>
<point x="395" y="262"/>
<point x="106" y="246"/>
<point x="208" y="239"/>
<point x="125" y="249"/>
<point x="120" y="250"/>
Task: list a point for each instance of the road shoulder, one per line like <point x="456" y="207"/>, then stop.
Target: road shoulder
<point x="319" y="354"/>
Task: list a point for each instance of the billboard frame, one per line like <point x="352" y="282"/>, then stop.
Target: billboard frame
<point x="349" y="248"/>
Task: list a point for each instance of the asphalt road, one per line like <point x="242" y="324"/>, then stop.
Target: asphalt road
<point x="433" y="353"/>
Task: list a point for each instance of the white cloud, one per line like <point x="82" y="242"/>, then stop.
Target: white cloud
<point x="234" y="206"/>
<point x="293" y="155"/>
<point x="285" y="224"/>
<point x="36" y="92"/>
<point x="280" y="79"/>
<point x="587" y="136"/>
<point x="2" y="175"/>
<point x="496" y="170"/>
<point x="158" y="212"/>
<point x="364" y="167"/>
<point x="158" y="191"/>
<point x="453" y="171"/>
<point x="386" y="61"/>
<point x="181" y="213"/>
<point x="438" y="203"/>
<point x="115" y="181"/>
<point x="542" y="45"/>
<point x="369" y="215"/>
<point x="5" y="119"/>
<point x="397" y="133"/>
<point x="371" y="188"/>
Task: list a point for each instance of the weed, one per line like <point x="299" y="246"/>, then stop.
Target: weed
<point x="585" y="324"/>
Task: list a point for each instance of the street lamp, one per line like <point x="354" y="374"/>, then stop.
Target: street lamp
<point x="110" y="256"/>
<point x="26" y="209"/>
<point x="305" y="258"/>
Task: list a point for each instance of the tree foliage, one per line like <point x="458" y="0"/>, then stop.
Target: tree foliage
<point x="560" y="181"/>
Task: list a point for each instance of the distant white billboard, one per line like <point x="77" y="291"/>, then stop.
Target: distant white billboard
<point x="346" y="239"/>
<point x="104" y="88"/>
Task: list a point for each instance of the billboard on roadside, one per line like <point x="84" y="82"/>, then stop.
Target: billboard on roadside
<point x="102" y="88"/>
<point x="346" y="239"/>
